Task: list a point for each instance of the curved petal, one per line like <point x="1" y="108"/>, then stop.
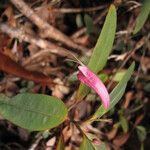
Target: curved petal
<point x="87" y="77"/>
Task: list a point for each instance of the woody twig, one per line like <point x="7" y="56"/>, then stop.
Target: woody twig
<point x="48" y="30"/>
<point x="43" y="44"/>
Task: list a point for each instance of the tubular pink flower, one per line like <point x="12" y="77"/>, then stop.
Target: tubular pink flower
<point x="87" y="77"/>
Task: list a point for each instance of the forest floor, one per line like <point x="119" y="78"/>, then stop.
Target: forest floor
<point x="34" y="52"/>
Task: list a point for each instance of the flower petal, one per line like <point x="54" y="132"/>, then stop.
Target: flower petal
<point x="87" y="77"/>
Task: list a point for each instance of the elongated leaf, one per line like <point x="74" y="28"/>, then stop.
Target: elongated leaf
<point x="86" y="144"/>
<point x="97" y="144"/>
<point x="33" y="111"/>
<point x="102" y="49"/>
<point x="141" y="132"/>
<point x="145" y="10"/>
<point x="79" y="21"/>
<point x="60" y="145"/>
<point x="105" y="42"/>
<point x="89" y="23"/>
<point x="124" y="124"/>
<point x="119" y="75"/>
<point x="116" y="94"/>
<point x="102" y="146"/>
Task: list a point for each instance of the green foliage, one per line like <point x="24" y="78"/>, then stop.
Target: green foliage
<point x="116" y="94"/>
<point x="60" y="145"/>
<point x="33" y="111"/>
<point x="103" y="77"/>
<point x="98" y="145"/>
<point x="119" y="75"/>
<point x="145" y="10"/>
<point x="123" y="122"/>
<point x="142" y="146"/>
<point x="46" y="134"/>
<point x="79" y="20"/>
<point x="105" y="42"/>
<point x="147" y="87"/>
<point x="86" y="144"/>
<point x="102" y="146"/>
<point x="141" y="132"/>
<point x="89" y="23"/>
<point x="102" y="49"/>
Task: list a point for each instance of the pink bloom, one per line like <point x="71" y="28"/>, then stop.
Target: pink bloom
<point x="87" y="77"/>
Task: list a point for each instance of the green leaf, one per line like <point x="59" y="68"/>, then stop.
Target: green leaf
<point x="124" y="124"/>
<point x="145" y="10"/>
<point x="46" y="134"/>
<point x="34" y="112"/>
<point x="142" y="146"/>
<point x="102" y="146"/>
<point x="103" y="77"/>
<point x="89" y="144"/>
<point x="141" y="132"/>
<point x="79" y="22"/>
<point x="147" y="87"/>
<point x="86" y="144"/>
<point x="60" y="145"/>
<point x="119" y="75"/>
<point x="97" y="146"/>
<point x="89" y="23"/>
<point x="105" y="42"/>
<point x="102" y="49"/>
<point x="116" y="94"/>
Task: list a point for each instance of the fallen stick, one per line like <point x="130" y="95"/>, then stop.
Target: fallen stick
<point x="78" y="10"/>
<point x="43" y="44"/>
<point x="48" y="30"/>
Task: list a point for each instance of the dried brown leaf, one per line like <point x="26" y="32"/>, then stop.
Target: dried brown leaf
<point x="10" y="66"/>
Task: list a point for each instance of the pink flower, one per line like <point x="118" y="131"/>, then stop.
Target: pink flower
<point x="87" y="77"/>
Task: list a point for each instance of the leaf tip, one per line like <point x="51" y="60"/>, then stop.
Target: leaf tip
<point x="133" y="65"/>
<point x="112" y="6"/>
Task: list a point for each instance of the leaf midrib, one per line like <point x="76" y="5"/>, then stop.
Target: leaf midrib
<point x="29" y="110"/>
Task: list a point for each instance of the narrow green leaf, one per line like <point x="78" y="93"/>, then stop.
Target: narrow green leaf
<point x="79" y="21"/>
<point x="99" y="145"/>
<point x="124" y="124"/>
<point x="142" y="146"/>
<point x="86" y="144"/>
<point x="89" y="23"/>
<point x="103" y="77"/>
<point x="147" y="87"/>
<point x="119" y="75"/>
<point x="33" y="111"/>
<point x="116" y="94"/>
<point x="105" y="42"/>
<point x="141" y="132"/>
<point x="102" y="146"/>
<point x="60" y="145"/>
<point x="90" y="142"/>
<point x="145" y="10"/>
<point x="102" y="49"/>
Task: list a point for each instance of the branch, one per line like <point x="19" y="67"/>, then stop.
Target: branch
<point x="48" y="30"/>
<point x="43" y="44"/>
<point x="78" y="10"/>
